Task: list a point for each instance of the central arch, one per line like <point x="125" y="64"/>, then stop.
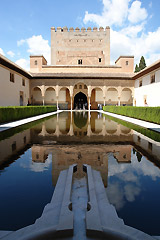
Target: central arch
<point x="80" y="101"/>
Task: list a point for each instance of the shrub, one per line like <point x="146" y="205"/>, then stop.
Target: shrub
<point x="149" y="114"/>
<point x="8" y="114"/>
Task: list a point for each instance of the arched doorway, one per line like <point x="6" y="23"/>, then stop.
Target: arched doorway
<point x="50" y="96"/>
<point x="37" y="96"/>
<point x="96" y="98"/>
<point x="80" y="101"/>
<point x="126" y="97"/>
<point x="112" y="96"/>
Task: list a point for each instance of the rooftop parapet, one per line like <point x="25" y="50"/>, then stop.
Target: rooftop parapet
<point x="83" y="29"/>
<point x="65" y="29"/>
<point x="77" y="29"/>
<point x="71" y="29"/>
<point x="95" y="29"/>
<point x="101" y="29"/>
<point x="59" y="29"/>
<point x="89" y="29"/>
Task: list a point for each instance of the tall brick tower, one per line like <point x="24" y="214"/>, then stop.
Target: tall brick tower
<point x="80" y="47"/>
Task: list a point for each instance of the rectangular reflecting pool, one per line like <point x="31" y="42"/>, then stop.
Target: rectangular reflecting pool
<point x="32" y="156"/>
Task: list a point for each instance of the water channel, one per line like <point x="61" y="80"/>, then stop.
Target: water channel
<point x="32" y="157"/>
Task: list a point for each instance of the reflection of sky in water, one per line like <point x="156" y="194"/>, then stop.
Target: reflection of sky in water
<point x="25" y="188"/>
<point x="37" y="166"/>
<point x="132" y="189"/>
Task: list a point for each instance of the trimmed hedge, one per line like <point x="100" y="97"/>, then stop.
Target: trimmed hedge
<point x="8" y="114"/>
<point x="149" y="114"/>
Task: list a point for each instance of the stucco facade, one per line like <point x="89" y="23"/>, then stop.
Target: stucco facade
<point x="73" y="84"/>
<point x="147" y="85"/>
<point x="14" y="84"/>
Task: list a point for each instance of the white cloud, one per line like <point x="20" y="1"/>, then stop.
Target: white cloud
<point x="132" y="37"/>
<point x="11" y="54"/>
<point x="38" y="167"/>
<point x="2" y="52"/>
<point x="115" y="195"/>
<point x="23" y="63"/>
<point x="126" y="182"/>
<point x="136" y="13"/>
<point x="131" y="191"/>
<point x="132" y="30"/>
<point x="37" y="46"/>
<point x="20" y="42"/>
<point x="147" y="45"/>
<point x="114" y="13"/>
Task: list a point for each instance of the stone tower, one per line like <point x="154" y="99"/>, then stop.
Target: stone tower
<point x="80" y="47"/>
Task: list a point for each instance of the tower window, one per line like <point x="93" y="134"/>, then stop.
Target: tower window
<point x="126" y="63"/>
<point x="100" y="59"/>
<point x="35" y="62"/>
<point x="79" y="61"/>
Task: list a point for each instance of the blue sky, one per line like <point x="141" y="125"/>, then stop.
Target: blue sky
<point x="25" y="26"/>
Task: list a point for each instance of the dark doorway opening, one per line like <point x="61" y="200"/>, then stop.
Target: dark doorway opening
<point x="21" y="98"/>
<point x="80" y="101"/>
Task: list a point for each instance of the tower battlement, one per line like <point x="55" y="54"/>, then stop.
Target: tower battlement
<point x="83" y="29"/>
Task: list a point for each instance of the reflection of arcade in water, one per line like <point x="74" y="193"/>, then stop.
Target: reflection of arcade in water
<point x="79" y="138"/>
<point x="73" y="127"/>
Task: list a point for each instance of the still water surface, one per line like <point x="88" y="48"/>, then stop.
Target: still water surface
<point x="129" y="162"/>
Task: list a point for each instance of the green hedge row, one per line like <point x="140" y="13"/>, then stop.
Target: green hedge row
<point x="8" y="114"/>
<point x="150" y="114"/>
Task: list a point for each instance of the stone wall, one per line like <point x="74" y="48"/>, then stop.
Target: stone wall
<point x="75" y="47"/>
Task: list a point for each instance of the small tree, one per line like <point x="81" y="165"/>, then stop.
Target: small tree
<point x="142" y="65"/>
<point x="136" y="68"/>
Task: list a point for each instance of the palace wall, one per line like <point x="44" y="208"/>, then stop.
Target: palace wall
<point x="147" y="87"/>
<point x="14" y="88"/>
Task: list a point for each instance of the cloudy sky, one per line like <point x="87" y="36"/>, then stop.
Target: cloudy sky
<point x="25" y="26"/>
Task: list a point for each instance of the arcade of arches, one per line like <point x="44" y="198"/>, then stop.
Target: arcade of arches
<point x="81" y="96"/>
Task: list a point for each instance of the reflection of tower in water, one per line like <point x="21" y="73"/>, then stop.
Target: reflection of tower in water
<point x="94" y="155"/>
